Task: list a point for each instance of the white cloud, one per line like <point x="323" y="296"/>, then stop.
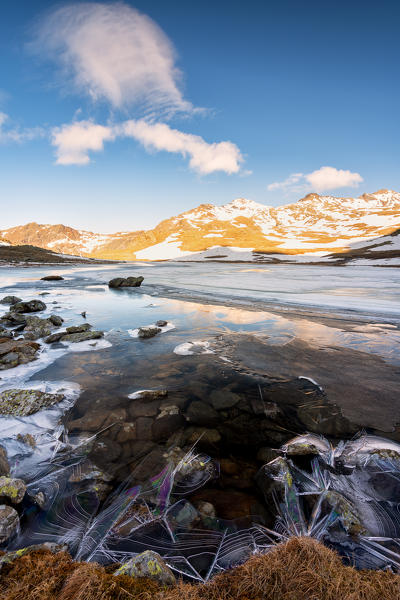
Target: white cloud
<point x="320" y="180"/>
<point x="10" y="133"/>
<point x="114" y="52"/>
<point x="205" y="158"/>
<point x="329" y="178"/>
<point x="74" y="141"/>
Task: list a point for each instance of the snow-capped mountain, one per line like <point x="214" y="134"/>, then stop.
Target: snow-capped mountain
<point x="315" y="225"/>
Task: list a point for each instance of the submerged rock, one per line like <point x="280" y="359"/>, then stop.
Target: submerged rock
<point x="17" y="352"/>
<point x="21" y="403"/>
<point x="28" y="307"/>
<point x="9" y="523"/>
<point x="148" y="564"/>
<point x="10" y="300"/>
<point x="119" y="282"/>
<point x="13" y="489"/>
<point x="148" y="332"/>
<point x="52" y="278"/>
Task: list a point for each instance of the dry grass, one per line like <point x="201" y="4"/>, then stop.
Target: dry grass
<point x="301" y="569"/>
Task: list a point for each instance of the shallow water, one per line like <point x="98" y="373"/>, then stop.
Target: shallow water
<point x="299" y="348"/>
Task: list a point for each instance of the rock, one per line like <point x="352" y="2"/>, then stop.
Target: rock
<point x="9" y="523"/>
<point x="4" y="333"/>
<point x="164" y="425"/>
<point x="148" y="564"/>
<point x="201" y="413"/>
<point x="16" y="352"/>
<point x="205" y="436"/>
<point x="105" y="451"/>
<point x="56" y="320"/>
<point x="11" y="319"/>
<point x="28" y="307"/>
<point x="36" y="328"/>
<point x="54" y="337"/>
<point x="148" y="395"/>
<point x="22" y="403"/>
<point x="148" y="332"/>
<point x="10" y="557"/>
<point x="126" y="433"/>
<point x="39" y="499"/>
<point x="78" y="328"/>
<point x="265" y="455"/>
<point x="119" y="282"/>
<point x="10" y="300"/>
<point x="82" y="337"/>
<point x="206" y="510"/>
<point x="143" y="409"/>
<point x="83" y="314"/>
<point x="13" y="489"/>
<point x="52" y="278"/>
<point x="161" y="323"/>
<point x="144" y="428"/>
<point x="91" y="421"/>
<point x="4" y="464"/>
<point x="27" y="439"/>
<point x="221" y="399"/>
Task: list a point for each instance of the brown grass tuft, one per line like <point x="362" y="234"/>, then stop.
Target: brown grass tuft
<point x="301" y="569"/>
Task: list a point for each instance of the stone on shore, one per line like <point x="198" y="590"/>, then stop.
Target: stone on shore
<point x="13" y="489"/>
<point x="21" y="403"/>
<point x="36" y="328"/>
<point x="28" y="307"/>
<point x="9" y="523"/>
<point x="10" y="300"/>
<point x="17" y="352"/>
<point x="120" y="282"/>
<point x="148" y="564"/>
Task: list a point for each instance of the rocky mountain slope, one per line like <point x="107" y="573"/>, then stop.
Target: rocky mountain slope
<point x="315" y="225"/>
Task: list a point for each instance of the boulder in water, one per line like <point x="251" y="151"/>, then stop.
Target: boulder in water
<point x="52" y="278"/>
<point x="121" y="282"/>
<point x="28" y="307"/>
<point x="148" y="332"/>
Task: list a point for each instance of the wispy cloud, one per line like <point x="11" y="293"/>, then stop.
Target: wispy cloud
<point x="203" y="157"/>
<point x="11" y="133"/>
<point x="74" y="141"/>
<point x="320" y="180"/>
<point x="116" y="53"/>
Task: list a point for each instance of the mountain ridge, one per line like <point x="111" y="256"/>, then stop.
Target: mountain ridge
<point x="314" y="224"/>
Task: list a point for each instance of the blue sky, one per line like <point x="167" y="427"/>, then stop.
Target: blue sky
<point x="101" y="105"/>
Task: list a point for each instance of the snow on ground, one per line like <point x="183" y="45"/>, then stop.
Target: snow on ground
<point x="168" y="249"/>
<point x="230" y="253"/>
